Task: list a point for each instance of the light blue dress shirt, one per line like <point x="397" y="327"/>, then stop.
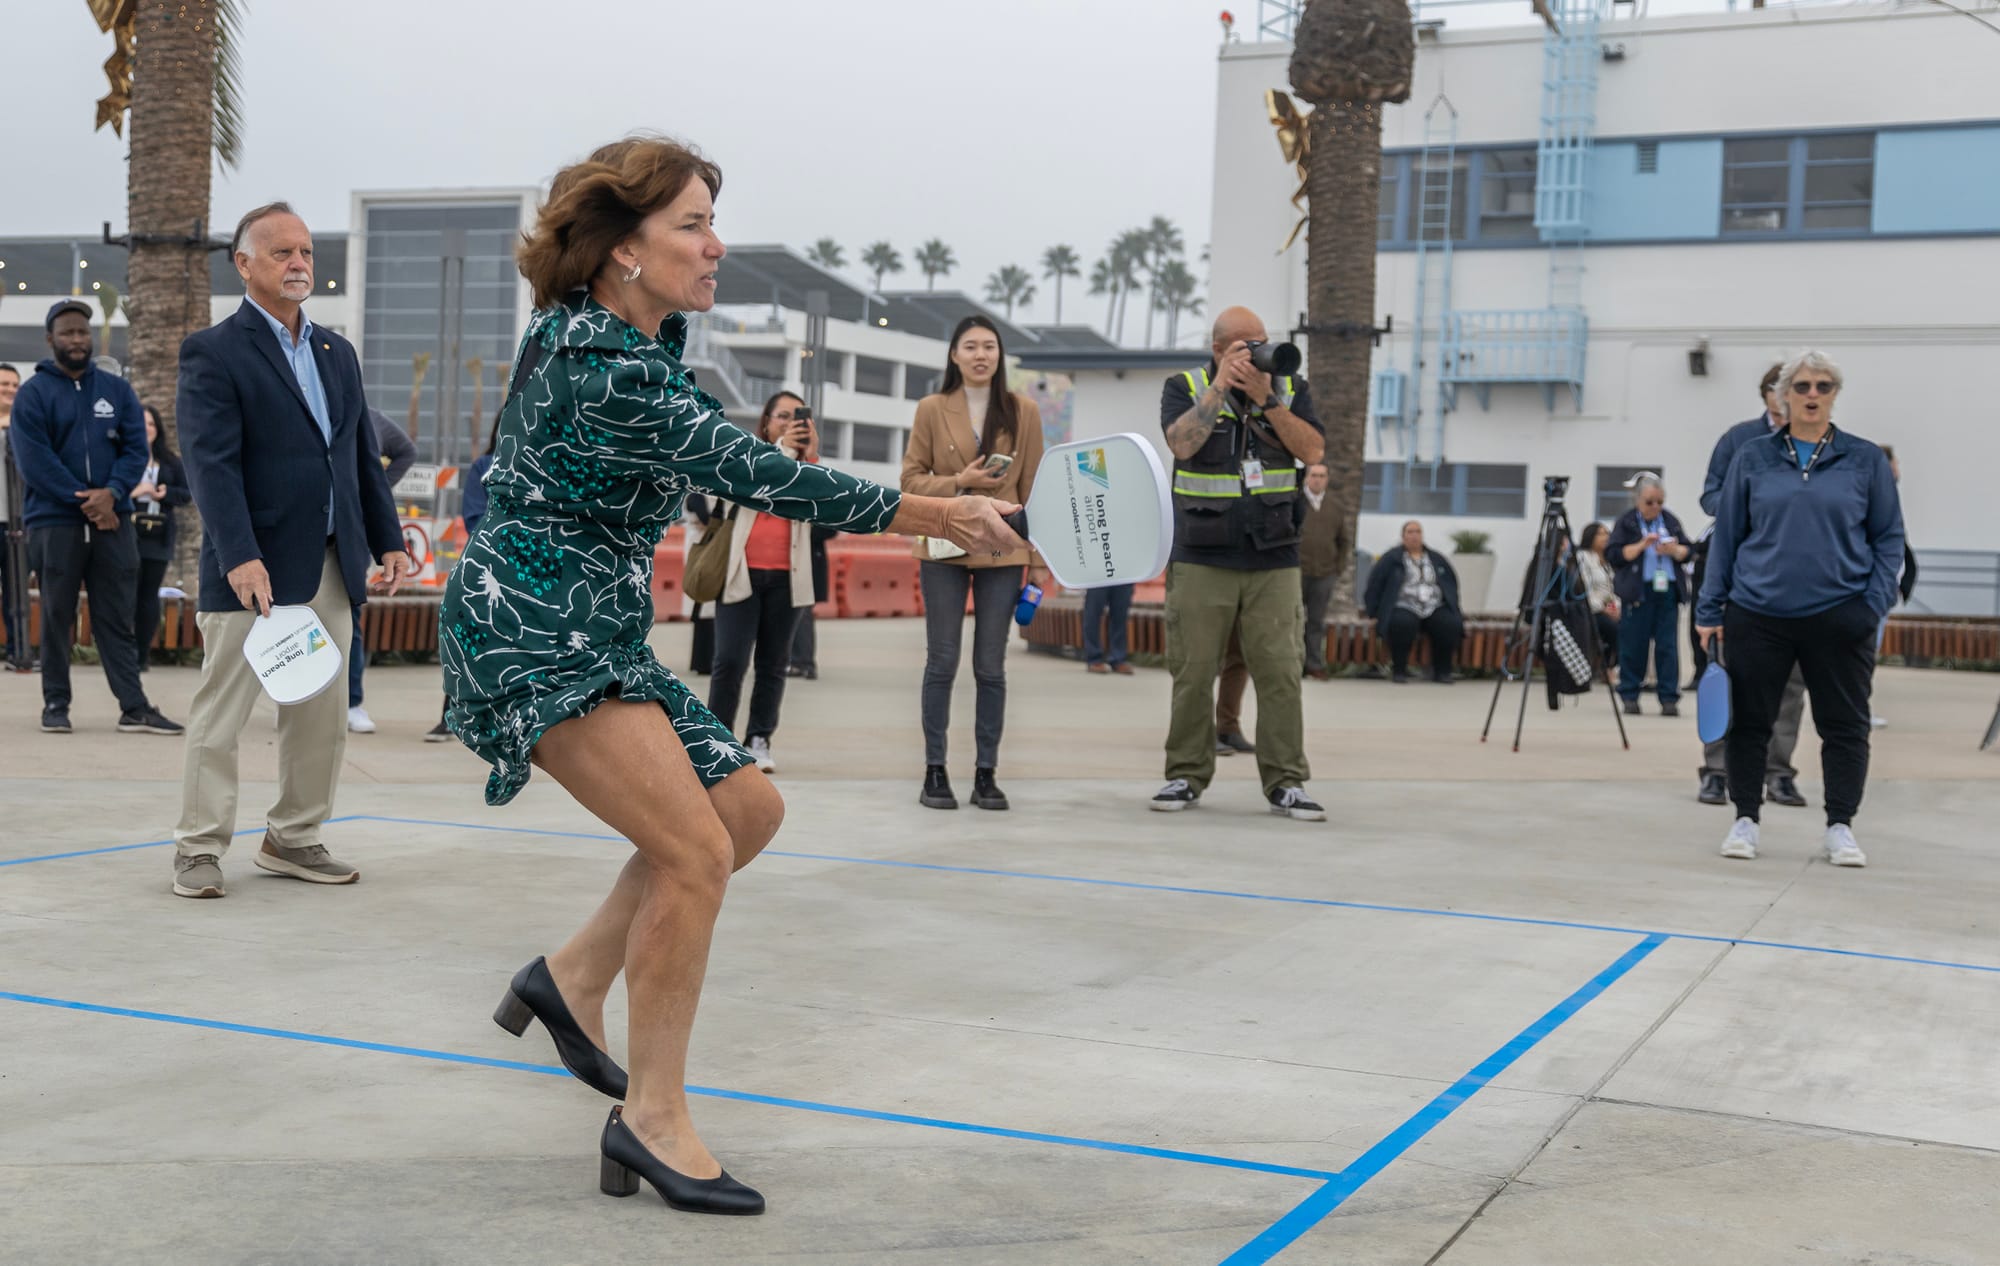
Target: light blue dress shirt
<point x="306" y="370"/>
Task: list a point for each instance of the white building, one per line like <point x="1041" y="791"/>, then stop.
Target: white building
<point x="1751" y="183"/>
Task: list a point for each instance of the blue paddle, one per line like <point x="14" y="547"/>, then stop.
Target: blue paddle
<point x="1711" y="699"/>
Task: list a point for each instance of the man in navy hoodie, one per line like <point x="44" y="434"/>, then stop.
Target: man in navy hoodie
<point x="80" y="442"/>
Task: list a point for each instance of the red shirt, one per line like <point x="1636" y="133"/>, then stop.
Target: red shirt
<point x="770" y="545"/>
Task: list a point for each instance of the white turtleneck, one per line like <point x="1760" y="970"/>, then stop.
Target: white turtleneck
<point x="976" y="399"/>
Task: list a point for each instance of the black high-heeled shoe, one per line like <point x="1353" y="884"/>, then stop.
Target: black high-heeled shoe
<point x="534" y="995"/>
<point x="626" y="1160"/>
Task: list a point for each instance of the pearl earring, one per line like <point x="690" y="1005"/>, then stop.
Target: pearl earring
<point x="634" y="274"/>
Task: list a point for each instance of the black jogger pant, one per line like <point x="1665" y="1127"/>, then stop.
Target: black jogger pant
<point x="1835" y="653"/>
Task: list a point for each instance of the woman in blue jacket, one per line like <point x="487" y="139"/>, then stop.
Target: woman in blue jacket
<point x="1648" y="552"/>
<point x="1801" y="571"/>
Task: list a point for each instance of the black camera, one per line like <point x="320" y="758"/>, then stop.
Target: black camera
<point x="1281" y="359"/>
<point x="1555" y="487"/>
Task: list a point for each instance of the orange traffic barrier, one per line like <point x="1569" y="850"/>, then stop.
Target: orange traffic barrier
<point x="873" y="584"/>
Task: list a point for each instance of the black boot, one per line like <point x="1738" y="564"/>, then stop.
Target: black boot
<point x="986" y="793"/>
<point x="937" y="789"/>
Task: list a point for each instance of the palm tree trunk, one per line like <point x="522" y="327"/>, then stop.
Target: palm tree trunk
<point x="1059" y="278"/>
<point x="1344" y="184"/>
<point x="167" y="185"/>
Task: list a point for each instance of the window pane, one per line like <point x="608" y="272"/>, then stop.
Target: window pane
<point x="1385" y="205"/>
<point x="1613" y="497"/>
<point x="1427" y="200"/>
<point x="1861" y="145"/>
<point x="1768" y="220"/>
<point x="1774" y="150"/>
<point x="1371" y="487"/>
<point x="1511" y="162"/>
<point x="1418" y="496"/>
<point x="868" y="443"/>
<point x="1837" y="218"/>
<point x="1756" y="184"/>
<point x="1499" y="505"/>
<point x="1846" y="182"/>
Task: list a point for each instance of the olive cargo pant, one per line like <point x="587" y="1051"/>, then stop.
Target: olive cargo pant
<point x="1203" y="605"/>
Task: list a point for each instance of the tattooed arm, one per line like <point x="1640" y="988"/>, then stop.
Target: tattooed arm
<point x="1189" y="429"/>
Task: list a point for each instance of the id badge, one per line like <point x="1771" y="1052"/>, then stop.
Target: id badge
<point x="1659" y="582"/>
<point x="1253" y="473"/>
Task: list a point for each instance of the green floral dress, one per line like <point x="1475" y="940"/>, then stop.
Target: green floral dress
<point x="548" y="611"/>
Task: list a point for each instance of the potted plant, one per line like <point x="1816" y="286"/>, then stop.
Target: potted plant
<point x="1473" y="561"/>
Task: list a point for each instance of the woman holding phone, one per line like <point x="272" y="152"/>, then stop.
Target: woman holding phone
<point x="974" y="437"/>
<point x="769" y="582"/>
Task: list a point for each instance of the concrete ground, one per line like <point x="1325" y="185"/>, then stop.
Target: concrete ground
<point x="1503" y="1010"/>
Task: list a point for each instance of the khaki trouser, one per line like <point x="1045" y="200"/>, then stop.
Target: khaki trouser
<point x="312" y="736"/>
<point x="1267" y="607"/>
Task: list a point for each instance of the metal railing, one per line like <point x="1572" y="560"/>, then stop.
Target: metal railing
<point x="1540" y="346"/>
<point x="1957" y="582"/>
<point x="706" y="352"/>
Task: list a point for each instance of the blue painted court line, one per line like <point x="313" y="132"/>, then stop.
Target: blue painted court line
<point x="1327" y="902"/>
<point x="556" y="1070"/>
<point x="1315" y="1208"/>
<point x="126" y="848"/>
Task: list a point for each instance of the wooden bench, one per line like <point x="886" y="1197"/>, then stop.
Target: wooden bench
<point x="407" y="623"/>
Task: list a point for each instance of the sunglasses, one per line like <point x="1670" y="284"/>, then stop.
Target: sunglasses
<point x="1808" y="388"/>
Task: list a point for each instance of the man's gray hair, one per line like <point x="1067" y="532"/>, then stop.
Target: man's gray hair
<point x="1642" y="481"/>
<point x="251" y="217"/>
<point x="1813" y="359"/>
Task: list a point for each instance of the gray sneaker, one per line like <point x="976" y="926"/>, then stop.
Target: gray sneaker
<point x="198" y="876"/>
<point x="311" y="863"/>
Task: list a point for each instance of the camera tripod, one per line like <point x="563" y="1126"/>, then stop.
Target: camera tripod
<point x="14" y="540"/>
<point x="1552" y="544"/>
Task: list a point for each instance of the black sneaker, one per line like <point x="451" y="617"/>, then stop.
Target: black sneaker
<point x="1401" y="679"/>
<point x="937" y="789"/>
<point x="146" y="720"/>
<point x="439" y="733"/>
<point x="1714" y="790"/>
<point x="986" y="793"/>
<point x="1631" y="707"/>
<point x="1178" y="794"/>
<point x="1229" y="744"/>
<point x="55" y="721"/>
<point x="1293" y="802"/>
<point x="1670" y="709"/>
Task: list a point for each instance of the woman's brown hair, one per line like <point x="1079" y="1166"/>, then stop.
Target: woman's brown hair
<point x="597" y="203"/>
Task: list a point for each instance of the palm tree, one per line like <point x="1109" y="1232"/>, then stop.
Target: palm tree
<point x="174" y="67"/>
<point x="1010" y="284"/>
<point x="1175" y="289"/>
<point x="882" y="258"/>
<point x="1163" y="242"/>
<point x="827" y="253"/>
<point x="1349" y="57"/>
<point x="1104" y="281"/>
<point x="1059" y="262"/>
<point x="1128" y="255"/>
<point x="935" y="260"/>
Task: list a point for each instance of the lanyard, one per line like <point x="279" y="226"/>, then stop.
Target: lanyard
<point x="1805" y="475"/>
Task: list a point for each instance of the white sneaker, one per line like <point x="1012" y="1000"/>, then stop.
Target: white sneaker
<point x="1841" y="849"/>
<point x="1742" y="841"/>
<point x="760" y="748"/>
<point x="1876" y="723"/>
<point x="359" y="722"/>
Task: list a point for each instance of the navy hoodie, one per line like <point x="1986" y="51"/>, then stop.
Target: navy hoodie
<point x="74" y="434"/>
<point x="1790" y="545"/>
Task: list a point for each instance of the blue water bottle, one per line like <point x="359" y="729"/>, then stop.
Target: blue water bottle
<point x="1024" y="606"/>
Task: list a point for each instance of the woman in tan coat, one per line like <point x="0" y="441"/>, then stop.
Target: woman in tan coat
<point x="973" y="437"/>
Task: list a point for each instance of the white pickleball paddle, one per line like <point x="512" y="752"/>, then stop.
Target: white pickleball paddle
<point x="292" y="654"/>
<point x="1101" y="513"/>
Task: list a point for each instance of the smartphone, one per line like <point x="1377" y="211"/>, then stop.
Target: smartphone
<point x="998" y="462"/>
<point x="801" y="414"/>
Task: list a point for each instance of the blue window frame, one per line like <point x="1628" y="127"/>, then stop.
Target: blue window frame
<point x="1452" y="490"/>
<point x="1492" y="197"/>
<point x="1794" y="186"/>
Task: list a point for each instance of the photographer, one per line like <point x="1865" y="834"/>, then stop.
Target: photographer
<point x="769" y="582"/>
<point x="1240" y="429"/>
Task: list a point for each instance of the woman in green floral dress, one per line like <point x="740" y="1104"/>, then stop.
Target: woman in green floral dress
<point x="544" y="625"/>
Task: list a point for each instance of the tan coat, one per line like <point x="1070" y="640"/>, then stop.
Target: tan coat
<point x="942" y="444"/>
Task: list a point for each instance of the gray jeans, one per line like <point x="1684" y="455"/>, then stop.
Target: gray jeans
<point x="1318" y="592"/>
<point x="1784" y="736"/>
<point x="994" y="591"/>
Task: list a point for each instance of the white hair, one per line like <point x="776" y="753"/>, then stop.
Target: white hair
<point x="1640" y="482"/>
<point x="1812" y="359"/>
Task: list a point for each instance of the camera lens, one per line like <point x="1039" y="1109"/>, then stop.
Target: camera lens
<point x="1282" y="359"/>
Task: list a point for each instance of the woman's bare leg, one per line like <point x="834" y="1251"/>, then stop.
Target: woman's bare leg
<point x="625" y="764"/>
<point x="586" y="966"/>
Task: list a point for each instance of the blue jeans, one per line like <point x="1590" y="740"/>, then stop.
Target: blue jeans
<point x="1650" y="625"/>
<point x="1116" y="602"/>
<point x="357" y="659"/>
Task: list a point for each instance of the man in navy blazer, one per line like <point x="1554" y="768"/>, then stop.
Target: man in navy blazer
<point x="288" y="478"/>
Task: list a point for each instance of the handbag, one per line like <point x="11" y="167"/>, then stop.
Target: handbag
<point x="707" y="570"/>
<point x="150" y="525"/>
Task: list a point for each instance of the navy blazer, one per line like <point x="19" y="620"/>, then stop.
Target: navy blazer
<point x="262" y="474"/>
<point x="1628" y="576"/>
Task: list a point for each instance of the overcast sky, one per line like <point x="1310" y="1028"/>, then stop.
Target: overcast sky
<point x="1002" y="126"/>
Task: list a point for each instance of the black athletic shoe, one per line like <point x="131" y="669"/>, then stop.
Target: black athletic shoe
<point x="1713" y="790"/>
<point x="937" y="789"/>
<point x="146" y="720"/>
<point x="1230" y="744"/>
<point x="1175" y="796"/>
<point x="1293" y="802"/>
<point x="55" y="720"/>
<point x="1631" y="707"/>
<point x="1781" y="789"/>
<point x="439" y="733"/>
<point x="986" y="793"/>
<point x="1670" y="709"/>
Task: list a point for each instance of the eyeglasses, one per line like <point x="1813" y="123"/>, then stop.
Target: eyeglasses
<point x="1808" y="388"/>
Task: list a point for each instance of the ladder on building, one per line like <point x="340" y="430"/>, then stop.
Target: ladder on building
<point x="1570" y="57"/>
<point x="1432" y="179"/>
